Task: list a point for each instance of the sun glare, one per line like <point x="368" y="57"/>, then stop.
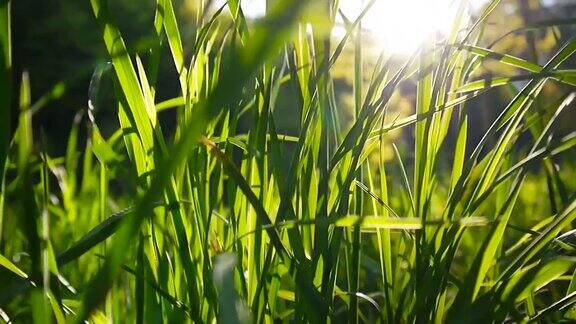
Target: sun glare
<point x="397" y="26"/>
<point x="400" y="26"/>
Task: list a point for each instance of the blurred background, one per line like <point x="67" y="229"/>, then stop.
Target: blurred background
<point x="58" y="43"/>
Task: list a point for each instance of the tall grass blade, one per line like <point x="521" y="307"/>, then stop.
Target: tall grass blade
<point x="5" y="88"/>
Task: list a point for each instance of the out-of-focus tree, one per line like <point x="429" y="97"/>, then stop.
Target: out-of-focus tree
<point x="59" y="43"/>
<point x="507" y="33"/>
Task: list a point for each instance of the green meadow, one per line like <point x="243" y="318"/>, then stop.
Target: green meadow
<point x="289" y="175"/>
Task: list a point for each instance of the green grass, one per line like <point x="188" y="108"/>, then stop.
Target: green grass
<point x="235" y="224"/>
<point x="5" y="90"/>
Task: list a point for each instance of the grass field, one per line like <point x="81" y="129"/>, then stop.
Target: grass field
<point x="223" y="216"/>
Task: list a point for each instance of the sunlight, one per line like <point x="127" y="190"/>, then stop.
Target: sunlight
<point x="400" y="26"/>
<point x="397" y="26"/>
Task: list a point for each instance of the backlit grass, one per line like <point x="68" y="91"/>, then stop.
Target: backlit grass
<point x="223" y="215"/>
